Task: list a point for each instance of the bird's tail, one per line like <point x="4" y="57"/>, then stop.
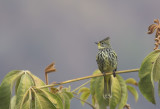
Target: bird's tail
<point x="107" y="87"/>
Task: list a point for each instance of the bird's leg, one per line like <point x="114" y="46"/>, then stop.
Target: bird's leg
<point x="114" y="72"/>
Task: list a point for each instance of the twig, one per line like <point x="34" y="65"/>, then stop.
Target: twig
<point x="127" y="106"/>
<point x="46" y="78"/>
<point x="87" y="77"/>
<point x="50" y="68"/>
<point x="85" y="102"/>
<point x="80" y="86"/>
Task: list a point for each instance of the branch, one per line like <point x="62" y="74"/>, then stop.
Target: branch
<point x="81" y="86"/>
<point x="87" y="77"/>
<point x="85" y="102"/>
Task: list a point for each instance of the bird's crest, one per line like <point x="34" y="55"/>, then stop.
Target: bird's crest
<point x="107" y="38"/>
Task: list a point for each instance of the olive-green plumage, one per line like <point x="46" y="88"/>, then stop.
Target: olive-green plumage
<point x="107" y="62"/>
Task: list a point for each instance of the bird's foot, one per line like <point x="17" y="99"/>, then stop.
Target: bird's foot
<point x="107" y="96"/>
<point x="114" y="73"/>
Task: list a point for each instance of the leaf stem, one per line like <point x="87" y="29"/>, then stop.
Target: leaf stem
<point x="85" y="102"/>
<point x="81" y="86"/>
<point x="87" y="77"/>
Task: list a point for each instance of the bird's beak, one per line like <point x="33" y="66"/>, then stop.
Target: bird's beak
<point x="96" y="42"/>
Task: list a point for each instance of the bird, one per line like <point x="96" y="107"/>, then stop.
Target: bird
<point x="107" y="62"/>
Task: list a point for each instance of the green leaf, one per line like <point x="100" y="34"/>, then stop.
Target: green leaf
<point x="17" y="84"/>
<point x="66" y="101"/>
<point x="13" y="102"/>
<point x="119" y="92"/>
<point x="6" y="88"/>
<point x="85" y="94"/>
<point x="150" y="65"/>
<point x="92" y="90"/>
<point x="42" y="102"/>
<point x="156" y="67"/>
<point x="92" y="87"/>
<point x="66" y="98"/>
<point x="69" y="88"/>
<point x="60" y="103"/>
<point x="116" y="93"/>
<point x="148" y="72"/>
<point x="23" y="81"/>
<point x="83" y="89"/>
<point x="124" y="93"/>
<point x="133" y="92"/>
<point x="131" y="81"/>
<point x="23" y="90"/>
<point x="94" y="102"/>
<point x="33" y="103"/>
<point x="147" y="89"/>
<point x="54" y="98"/>
<point x="69" y="94"/>
<point x="28" y="103"/>
<point x="41" y="99"/>
<point x="38" y="82"/>
<point x="99" y="91"/>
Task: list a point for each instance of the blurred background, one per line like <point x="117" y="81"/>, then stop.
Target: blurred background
<point x="34" y="33"/>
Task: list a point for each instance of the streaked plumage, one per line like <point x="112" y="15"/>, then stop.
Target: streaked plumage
<point x="107" y="62"/>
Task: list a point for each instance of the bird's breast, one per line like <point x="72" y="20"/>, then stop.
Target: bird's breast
<point x="105" y="60"/>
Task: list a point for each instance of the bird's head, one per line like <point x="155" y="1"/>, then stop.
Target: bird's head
<point x="105" y="43"/>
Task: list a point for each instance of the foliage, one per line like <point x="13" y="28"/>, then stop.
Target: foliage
<point x="131" y="89"/>
<point x="28" y="96"/>
<point x="119" y="92"/>
<point x="85" y="94"/>
<point x="32" y="93"/>
<point x="149" y="72"/>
